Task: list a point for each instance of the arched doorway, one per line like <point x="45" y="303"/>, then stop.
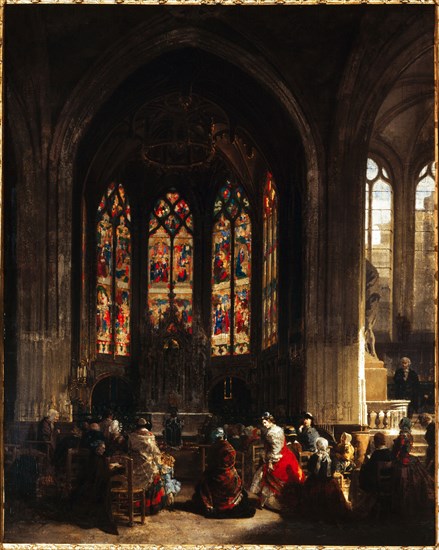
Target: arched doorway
<point x="112" y="392"/>
<point x="230" y="399"/>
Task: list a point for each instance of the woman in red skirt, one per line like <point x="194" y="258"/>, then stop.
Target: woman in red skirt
<point x="280" y="472"/>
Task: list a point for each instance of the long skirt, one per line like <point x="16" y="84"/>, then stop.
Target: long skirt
<point x="323" y="499"/>
<point x="412" y="490"/>
<point x="155" y="497"/>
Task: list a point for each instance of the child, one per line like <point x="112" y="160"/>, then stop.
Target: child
<point x="172" y="486"/>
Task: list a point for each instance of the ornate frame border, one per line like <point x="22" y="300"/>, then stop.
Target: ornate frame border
<point x="35" y="546"/>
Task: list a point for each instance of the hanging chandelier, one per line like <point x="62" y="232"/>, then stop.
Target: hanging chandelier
<point x="179" y="133"/>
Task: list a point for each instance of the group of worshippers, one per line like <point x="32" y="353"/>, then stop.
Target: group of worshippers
<point x="153" y="470"/>
<point x="410" y="489"/>
<point x="279" y="483"/>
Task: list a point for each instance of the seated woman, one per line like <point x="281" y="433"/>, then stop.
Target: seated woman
<point x="146" y="456"/>
<point x="343" y="454"/>
<point x="322" y="496"/>
<point x="412" y="486"/>
<point x="279" y="469"/>
<point x="220" y="493"/>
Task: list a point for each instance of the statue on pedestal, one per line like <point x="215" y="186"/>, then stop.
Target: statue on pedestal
<point x="372" y="302"/>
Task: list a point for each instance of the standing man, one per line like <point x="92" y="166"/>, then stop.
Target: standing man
<point x="407" y="385"/>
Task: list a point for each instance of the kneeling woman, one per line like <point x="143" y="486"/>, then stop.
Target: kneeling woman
<point x="277" y="480"/>
<point x="220" y="493"/>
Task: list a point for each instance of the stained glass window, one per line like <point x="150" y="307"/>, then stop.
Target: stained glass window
<point x="379" y="236"/>
<point x="170" y="260"/>
<point x="269" y="274"/>
<point x="231" y="272"/>
<point x="423" y="314"/>
<point x="113" y="273"/>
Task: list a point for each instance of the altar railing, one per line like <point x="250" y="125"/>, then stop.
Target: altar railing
<point x="386" y="415"/>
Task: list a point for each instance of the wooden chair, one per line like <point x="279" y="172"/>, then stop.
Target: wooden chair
<point x="256" y="453"/>
<point x="76" y="465"/>
<point x="383" y="487"/>
<point x="126" y="499"/>
<point x="304" y="458"/>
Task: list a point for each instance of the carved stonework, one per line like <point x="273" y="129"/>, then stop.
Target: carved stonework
<point x="173" y="365"/>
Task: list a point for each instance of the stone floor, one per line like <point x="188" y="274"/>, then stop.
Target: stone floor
<point x="29" y="524"/>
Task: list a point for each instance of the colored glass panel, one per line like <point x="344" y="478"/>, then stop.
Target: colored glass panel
<point x="269" y="282"/>
<point x="189" y="222"/>
<point x="162" y="209"/>
<point x="159" y="258"/>
<point x="182" y="276"/>
<point x="221" y="324"/>
<point x="104" y="327"/>
<point x="232" y="207"/>
<point x="172" y="223"/>
<point x="182" y="209"/>
<point x="170" y="260"/>
<point x="113" y="272"/>
<point x="158" y="305"/>
<point x="231" y="250"/>
<point x="122" y="322"/>
<point x="123" y="284"/>
<point x="221" y="251"/>
<point x="172" y="197"/>
<point x="182" y="272"/>
<point x="242" y="320"/>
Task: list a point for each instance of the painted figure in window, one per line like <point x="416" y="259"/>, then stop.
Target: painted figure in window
<point x="103" y="315"/>
<point x="241" y="314"/>
<point x="123" y="252"/>
<point x="220" y="267"/>
<point x="122" y="329"/>
<point x="104" y="239"/>
<point x="221" y="321"/>
<point x="159" y="264"/>
<point x="240" y="259"/>
<point x="183" y="255"/>
<point x="103" y="268"/>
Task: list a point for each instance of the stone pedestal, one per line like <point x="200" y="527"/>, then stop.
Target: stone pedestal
<point x="376" y="379"/>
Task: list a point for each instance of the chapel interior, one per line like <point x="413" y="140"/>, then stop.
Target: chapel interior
<point x="220" y="209"/>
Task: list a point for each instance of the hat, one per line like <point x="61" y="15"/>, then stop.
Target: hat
<point x="308" y="415"/>
<point x="141" y="422"/>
